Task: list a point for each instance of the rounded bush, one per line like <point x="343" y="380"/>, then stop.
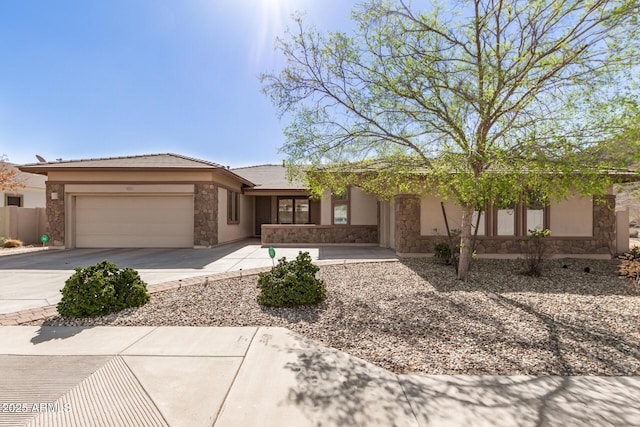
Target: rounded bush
<point x="292" y="283"/>
<point x="101" y="289"/>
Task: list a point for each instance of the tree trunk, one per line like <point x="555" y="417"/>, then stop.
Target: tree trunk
<point x="466" y="244"/>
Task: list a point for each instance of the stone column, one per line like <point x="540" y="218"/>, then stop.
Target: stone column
<point x="407" y="212"/>
<point x="55" y="214"/>
<point x="604" y="223"/>
<point x="205" y="211"/>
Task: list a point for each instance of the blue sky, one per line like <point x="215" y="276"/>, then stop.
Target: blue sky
<point x="104" y="78"/>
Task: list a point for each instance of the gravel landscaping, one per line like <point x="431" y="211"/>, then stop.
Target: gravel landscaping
<point x="413" y="316"/>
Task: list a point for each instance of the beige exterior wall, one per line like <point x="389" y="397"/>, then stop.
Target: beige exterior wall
<point x="568" y="218"/>
<point x="128" y="189"/>
<point x="26" y="224"/>
<point x="223" y="179"/>
<point x="231" y="232"/>
<point x="325" y="208"/>
<point x="572" y="217"/>
<point x="131" y="177"/>
<point x="31" y="197"/>
<point x="431" y="218"/>
<point x="364" y="208"/>
<point x="31" y="188"/>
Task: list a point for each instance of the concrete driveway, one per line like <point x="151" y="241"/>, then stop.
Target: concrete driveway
<point x="34" y="279"/>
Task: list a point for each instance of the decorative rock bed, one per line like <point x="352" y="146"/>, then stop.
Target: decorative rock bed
<point x="413" y="316"/>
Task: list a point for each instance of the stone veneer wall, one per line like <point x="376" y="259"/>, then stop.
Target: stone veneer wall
<point x="205" y="212"/>
<point x="55" y="214"/>
<point x="407" y="210"/>
<point x="319" y="234"/>
<point x="409" y="240"/>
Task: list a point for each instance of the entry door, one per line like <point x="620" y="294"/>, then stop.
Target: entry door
<point x="263" y="212"/>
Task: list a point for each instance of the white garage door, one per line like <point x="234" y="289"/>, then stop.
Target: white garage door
<point x="134" y="221"/>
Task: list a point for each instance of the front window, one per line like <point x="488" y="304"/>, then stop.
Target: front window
<point x="506" y="219"/>
<point x="481" y="223"/>
<point x="535" y="209"/>
<point x="15" y="200"/>
<point x="233" y="206"/>
<point x="340" y="207"/>
<point x="293" y="210"/>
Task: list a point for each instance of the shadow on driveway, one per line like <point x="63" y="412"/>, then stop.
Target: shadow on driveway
<point x="138" y="258"/>
<point x="182" y="258"/>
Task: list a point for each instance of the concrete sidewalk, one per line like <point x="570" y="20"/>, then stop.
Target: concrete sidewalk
<point x="177" y="376"/>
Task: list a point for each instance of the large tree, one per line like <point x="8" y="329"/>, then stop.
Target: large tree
<point x="475" y="100"/>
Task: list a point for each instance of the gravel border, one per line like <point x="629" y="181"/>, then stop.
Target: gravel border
<point x="413" y="316"/>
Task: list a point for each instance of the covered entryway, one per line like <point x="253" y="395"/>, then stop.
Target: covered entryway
<point x="134" y="221"/>
<point x="263" y="213"/>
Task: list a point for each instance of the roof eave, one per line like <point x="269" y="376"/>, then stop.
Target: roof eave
<point x="45" y="169"/>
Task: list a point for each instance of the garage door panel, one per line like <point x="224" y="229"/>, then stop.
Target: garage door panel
<point x="134" y="221"/>
<point x="134" y="229"/>
<point x="134" y="242"/>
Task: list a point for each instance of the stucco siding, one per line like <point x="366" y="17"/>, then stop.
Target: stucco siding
<point x="31" y="197"/>
<point x="364" y="208"/>
<point x="129" y="189"/>
<point x="572" y="217"/>
<point x="132" y="177"/>
<point x="431" y="218"/>
<point x="244" y="228"/>
<point x="325" y="208"/>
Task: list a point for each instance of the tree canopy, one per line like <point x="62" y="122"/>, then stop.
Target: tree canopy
<point x="8" y="176"/>
<point x="474" y="100"/>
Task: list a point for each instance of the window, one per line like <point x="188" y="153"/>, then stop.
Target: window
<point x="233" y="207"/>
<point x="301" y="211"/>
<point x="340" y="207"/>
<point x="15" y="200"/>
<point x="534" y="212"/>
<point x="511" y="219"/>
<point x="481" y="223"/>
<point x="506" y="219"/>
<point x="293" y="210"/>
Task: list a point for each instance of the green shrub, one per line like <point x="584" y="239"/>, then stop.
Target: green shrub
<point x="536" y="252"/>
<point x="630" y="267"/>
<point x="101" y="289"/>
<point x="442" y="252"/>
<point x="291" y="284"/>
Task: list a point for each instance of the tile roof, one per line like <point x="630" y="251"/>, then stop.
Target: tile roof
<point x="268" y="177"/>
<point x="162" y="161"/>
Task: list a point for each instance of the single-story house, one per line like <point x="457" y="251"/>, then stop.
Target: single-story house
<point x="169" y="200"/>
